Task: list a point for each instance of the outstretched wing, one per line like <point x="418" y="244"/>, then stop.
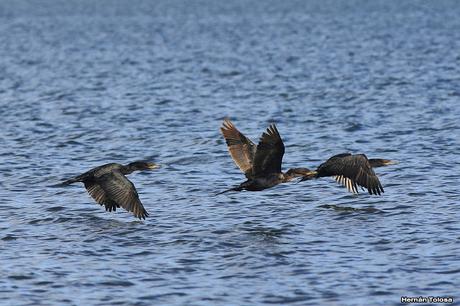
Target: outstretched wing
<point x="269" y="153"/>
<point x="352" y="171"/>
<point x="120" y="190"/>
<point x="241" y="148"/>
<point x="98" y="194"/>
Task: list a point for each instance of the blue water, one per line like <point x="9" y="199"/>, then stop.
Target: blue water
<point x="83" y="83"/>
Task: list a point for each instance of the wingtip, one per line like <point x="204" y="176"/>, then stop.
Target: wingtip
<point x="227" y="123"/>
<point x="227" y="126"/>
<point x="272" y="128"/>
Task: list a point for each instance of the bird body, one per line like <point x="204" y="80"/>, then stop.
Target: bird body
<point x="95" y="173"/>
<point x="108" y="186"/>
<point x="261" y="183"/>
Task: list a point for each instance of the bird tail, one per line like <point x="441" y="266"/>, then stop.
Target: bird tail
<point x="66" y="182"/>
<point x="310" y="175"/>
<point x="238" y="188"/>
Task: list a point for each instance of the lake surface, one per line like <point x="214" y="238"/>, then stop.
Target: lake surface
<point x="83" y="83"/>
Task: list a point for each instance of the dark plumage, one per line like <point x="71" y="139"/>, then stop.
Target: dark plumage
<point x="352" y="171"/>
<point x="108" y="186"/>
<point x="260" y="164"/>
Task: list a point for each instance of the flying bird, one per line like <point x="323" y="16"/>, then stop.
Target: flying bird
<point x="108" y="186"/>
<point x="261" y="163"/>
<point x="352" y="171"/>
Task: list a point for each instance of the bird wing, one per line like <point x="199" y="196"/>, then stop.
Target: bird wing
<point x="99" y="195"/>
<point x="352" y="171"/>
<point x="269" y="153"/>
<point x="120" y="190"/>
<point x="241" y="148"/>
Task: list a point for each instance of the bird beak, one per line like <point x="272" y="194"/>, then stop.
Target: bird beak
<point x="391" y="162"/>
<point x="308" y="176"/>
<point x="154" y="166"/>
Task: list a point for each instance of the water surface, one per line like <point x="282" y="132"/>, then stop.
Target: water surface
<point x="84" y="83"/>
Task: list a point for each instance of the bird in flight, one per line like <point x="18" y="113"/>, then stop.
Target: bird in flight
<point x="108" y="186"/>
<point x="261" y="163"/>
<point x="352" y="170"/>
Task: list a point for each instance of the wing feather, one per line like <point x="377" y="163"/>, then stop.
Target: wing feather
<point x="122" y="191"/>
<point x="269" y="153"/>
<point x="348" y="183"/>
<point x="241" y="148"/>
<point x="98" y="194"/>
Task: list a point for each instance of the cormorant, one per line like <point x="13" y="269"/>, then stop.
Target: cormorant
<point x="352" y="171"/>
<point x="108" y="186"/>
<point x="260" y="164"/>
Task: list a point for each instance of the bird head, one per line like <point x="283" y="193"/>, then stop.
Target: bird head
<point x="379" y="162"/>
<point x="142" y="165"/>
<point x="304" y="173"/>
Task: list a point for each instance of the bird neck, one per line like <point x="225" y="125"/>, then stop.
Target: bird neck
<point x="125" y="170"/>
<point x="294" y="173"/>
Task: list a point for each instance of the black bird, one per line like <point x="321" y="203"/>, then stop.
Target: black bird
<point x="352" y="171"/>
<point x="260" y="164"/>
<point x="108" y="186"/>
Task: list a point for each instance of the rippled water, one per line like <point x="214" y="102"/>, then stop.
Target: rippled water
<point x="84" y="83"/>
